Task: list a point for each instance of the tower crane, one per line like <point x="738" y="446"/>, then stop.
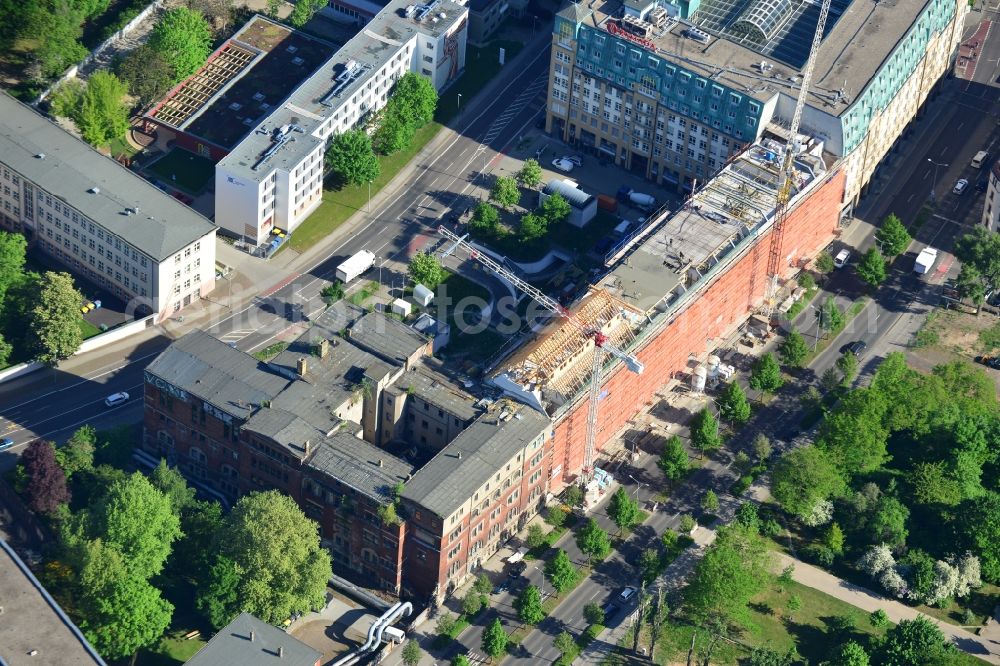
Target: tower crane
<point x="601" y="344"/>
<point x="788" y="162"/>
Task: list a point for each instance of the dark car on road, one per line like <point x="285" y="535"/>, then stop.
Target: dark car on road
<point x="517" y="569"/>
<point x="501" y="587"/>
<point x="857" y="348"/>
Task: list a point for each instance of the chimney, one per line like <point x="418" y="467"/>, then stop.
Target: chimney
<point x="307" y="446"/>
<point x="324" y="347"/>
<point x="251" y="635"/>
<point x="301" y="366"/>
<point x="281" y="651"/>
<point x="459" y="455"/>
<point x="381" y="463"/>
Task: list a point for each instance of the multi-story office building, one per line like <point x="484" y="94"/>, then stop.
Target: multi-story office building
<point x="672" y="90"/>
<point x="99" y="219"/>
<point x="991" y="206"/>
<point x="268" y="100"/>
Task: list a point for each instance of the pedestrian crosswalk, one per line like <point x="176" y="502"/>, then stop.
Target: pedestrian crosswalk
<point x="503" y="120"/>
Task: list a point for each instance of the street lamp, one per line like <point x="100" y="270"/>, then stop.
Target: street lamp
<point x="934" y="179"/>
<point x="819" y="326"/>
<point x="458" y="103"/>
<point x="638" y="487"/>
<point x="369" y="197"/>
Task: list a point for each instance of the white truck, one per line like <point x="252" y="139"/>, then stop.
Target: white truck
<point x="355" y="265"/>
<point x="925" y="261"/>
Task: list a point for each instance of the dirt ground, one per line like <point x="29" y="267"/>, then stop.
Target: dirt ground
<point x="950" y="335"/>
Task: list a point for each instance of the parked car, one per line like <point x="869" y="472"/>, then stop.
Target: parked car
<point x="6" y="443"/>
<point x="517" y="569"/>
<point x="960" y="186"/>
<point x="116" y="399"/>
<point x="610" y="610"/>
<point x="562" y="164"/>
<point x="501" y="587"/>
<point x="842" y="258"/>
<point x="577" y="160"/>
<point x="857" y="348"/>
<point x="625" y="595"/>
<point x="989" y="361"/>
<point x="983" y="183"/>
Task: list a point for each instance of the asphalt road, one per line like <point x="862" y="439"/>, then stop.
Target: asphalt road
<point x="52" y="405"/>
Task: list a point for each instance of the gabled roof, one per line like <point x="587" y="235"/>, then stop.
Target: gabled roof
<point x="247" y="641"/>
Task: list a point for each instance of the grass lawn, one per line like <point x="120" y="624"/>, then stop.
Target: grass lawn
<point x="981" y="602"/>
<point x="481" y="65"/>
<point x="172" y="650"/>
<point x="192" y="172"/>
<point x="121" y="146"/>
<point x="88" y="330"/>
<point x="339" y="205"/>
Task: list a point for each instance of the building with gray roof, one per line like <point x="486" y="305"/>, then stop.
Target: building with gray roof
<point x="389" y="338"/>
<point x="248" y="641"/>
<point x="98" y="218"/>
<point x="360" y="466"/>
<point x="273" y="177"/>
<point x="583" y="205"/>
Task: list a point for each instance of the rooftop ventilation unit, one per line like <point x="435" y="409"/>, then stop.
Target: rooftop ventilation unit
<point x="409" y="11"/>
<point x="258" y="96"/>
<point x="40" y="156"/>
<point x="235" y="106"/>
<point x="350" y="73"/>
<point x="291" y="49"/>
<point x="279" y="138"/>
<point x="94" y="190"/>
<point x="636" y="26"/>
<point x="297" y="60"/>
<point x="423" y="10"/>
<point x="658" y="16"/>
<point x="697" y="35"/>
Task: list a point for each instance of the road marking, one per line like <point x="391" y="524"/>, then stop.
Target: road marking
<point x="81" y="406"/>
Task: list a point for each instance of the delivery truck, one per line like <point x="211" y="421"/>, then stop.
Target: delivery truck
<point x="355" y="265"/>
<point x="925" y="261"/>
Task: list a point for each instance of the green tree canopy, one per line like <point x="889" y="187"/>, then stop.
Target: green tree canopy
<point x="804" y="477"/>
<point x="277" y="556"/>
<point x="593" y="613"/>
<point x="981" y="250"/>
<point x="529" y="605"/>
<point x="829" y="316"/>
<point x="824" y="262"/>
<point x="413" y="99"/>
<point x="12" y="253"/>
<point x="168" y="480"/>
<point x="593" y="541"/>
<point x="411" y="653"/>
<point x="674" y="459"/>
<point x="710" y="501"/>
<point x="530" y="173"/>
<point x="794" y="350"/>
<point x="850" y="654"/>
<point x="147" y="72"/>
<point x="57" y="26"/>
<point x="623" y="509"/>
<point x="77" y="454"/>
<point x="564" y="642"/>
<point x="854" y="435"/>
<point x="303" y="10"/>
<point x="485" y="220"/>
<point x="102" y="114"/>
<point x="532" y="227"/>
<point x="872" y="267"/>
<point x="733" y="404"/>
<point x="559" y="571"/>
<point x="46" y="488"/>
<point x="979" y="527"/>
<point x="893" y="236"/>
<point x="184" y="39"/>
<point x="425" y="269"/>
<point x="765" y="376"/>
<point x="555" y="209"/>
<point x="392" y="134"/>
<point x="705" y="432"/>
<point x="847" y="363"/>
<point x="505" y="192"/>
<point x="495" y="639"/>
<point x="54" y="318"/>
<point x="917" y="642"/>
<point x="351" y="158"/>
<point x="735" y="569"/>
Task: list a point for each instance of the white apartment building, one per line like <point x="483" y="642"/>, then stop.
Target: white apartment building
<point x="273" y="178"/>
<point x="99" y="219"/>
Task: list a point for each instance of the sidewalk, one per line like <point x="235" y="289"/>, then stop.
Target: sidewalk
<point x="868" y="601"/>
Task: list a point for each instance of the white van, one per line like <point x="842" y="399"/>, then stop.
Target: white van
<point x="980" y="159"/>
<point x="841" y="259"/>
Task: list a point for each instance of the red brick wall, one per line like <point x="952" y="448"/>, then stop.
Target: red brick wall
<point x="712" y="316"/>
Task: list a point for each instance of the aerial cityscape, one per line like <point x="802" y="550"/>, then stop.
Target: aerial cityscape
<point x="515" y="332"/>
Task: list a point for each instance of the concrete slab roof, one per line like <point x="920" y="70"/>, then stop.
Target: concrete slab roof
<point x="387" y="337"/>
<point x="95" y="185"/>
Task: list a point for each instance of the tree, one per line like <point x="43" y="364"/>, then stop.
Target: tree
<point x="12" y="253"/>
<point x="555" y="516"/>
<point x="794" y="350"/>
<point x="573" y="495"/>
<point x="657" y="618"/>
<point x="969" y="284"/>
<point x="169" y="481"/>
<point x="220" y="597"/>
<point x="593" y="613"/>
<point x="276" y="553"/>
<point x="505" y="192"/>
<point x="461" y="660"/>
<point x="981" y="250"/>
<point x="46" y="488"/>
<point x="425" y="269"/>
<point x="979" y="528"/>
<point x="734" y="569"/>
<point x="674" y="459"/>
<point x="802" y="478"/>
<point x="710" y="501"/>
<point x="446" y="624"/>
<point x="53" y="319"/>
<point x="893" y="236"/>
<point x="560" y="572"/>
<point x="529" y="605"/>
<point x="121" y="613"/>
<point x="184" y="39"/>
<point x="555" y="209"/>
<point x="483" y="585"/>
<point x="829" y="316"/>
<point x="140" y="522"/>
<point x="6" y="349"/>
<point x="824" y="262"/>
<point x="762" y="655"/>
<point x="193" y="555"/>
<point x="564" y="642"/>
<point x="411" y="653"/>
<point x="413" y="100"/>
<point x="392" y="134"/>
<point x="77" y="454"/>
<point x="102" y="114"/>
<point x="593" y="541"/>
<point x="879" y="619"/>
<point x="733" y="404"/>
<point x="748" y="516"/>
<point x="472" y="603"/>
<point x="834" y="539"/>
<point x="762" y="447"/>
<point x="872" y="268"/>
<point x="532" y="227"/>
<point x="485" y="220"/>
<point x="495" y="640"/>
<point x="536" y="536"/>
<point x="351" y="158"/>
<point x="58" y="26"/>
<point x="794" y="603"/>
<point x="303" y="11"/>
<point x="765" y="376"/>
<point x="830" y="379"/>
<point x="530" y="173"/>
<point x="850" y="654"/>
<point x="914" y="642"/>
<point x="854" y="436"/>
<point x="147" y="72"/>
<point x="333" y="292"/>
<point x="705" y="432"/>
<point x="623" y="510"/>
<point x="933" y="483"/>
<point x="848" y="366"/>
